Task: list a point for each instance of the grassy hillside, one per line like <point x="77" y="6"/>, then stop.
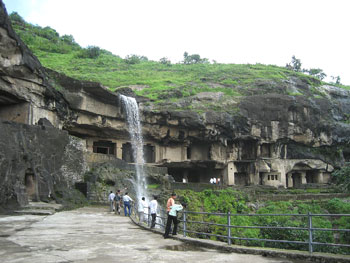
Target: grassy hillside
<point x="159" y="81"/>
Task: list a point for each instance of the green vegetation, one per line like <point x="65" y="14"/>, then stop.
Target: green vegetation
<point x="342" y="178"/>
<point x="160" y="81"/>
<point x="236" y="202"/>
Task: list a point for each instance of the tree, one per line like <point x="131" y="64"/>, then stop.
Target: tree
<point x="316" y="72"/>
<point x="336" y="79"/>
<point x="295" y="64"/>
<point x="135" y="59"/>
<point x="16" y="18"/>
<point x="69" y="39"/>
<point x="194" y="59"/>
<point x="90" y="52"/>
<point x="165" y="61"/>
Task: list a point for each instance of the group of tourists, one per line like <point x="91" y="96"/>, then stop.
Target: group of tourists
<point x="117" y="200"/>
<point x="214" y="180"/>
<point x="148" y="208"/>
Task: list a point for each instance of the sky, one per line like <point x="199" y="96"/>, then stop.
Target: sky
<point x="227" y="31"/>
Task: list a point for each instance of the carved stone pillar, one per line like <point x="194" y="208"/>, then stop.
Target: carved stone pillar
<point x="119" y="150"/>
<point x="289" y="180"/>
<point x="303" y="177"/>
<point x="319" y="177"/>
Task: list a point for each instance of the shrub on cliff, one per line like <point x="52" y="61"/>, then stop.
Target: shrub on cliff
<point x="342" y="178"/>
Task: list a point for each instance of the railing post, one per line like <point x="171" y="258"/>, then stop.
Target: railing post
<point x="310" y="231"/>
<point x="184" y="224"/>
<point x="229" y="228"/>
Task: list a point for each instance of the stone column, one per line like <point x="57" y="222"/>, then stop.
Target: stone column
<point x="258" y="151"/>
<point x="230" y="173"/>
<point x="319" y="177"/>
<point x="303" y="177"/>
<point x="289" y="180"/>
<point x="119" y="150"/>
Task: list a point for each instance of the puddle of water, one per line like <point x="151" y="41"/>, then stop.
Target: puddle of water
<point x="183" y="247"/>
<point x="142" y="249"/>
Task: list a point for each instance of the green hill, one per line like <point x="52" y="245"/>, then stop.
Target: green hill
<point x="159" y="81"/>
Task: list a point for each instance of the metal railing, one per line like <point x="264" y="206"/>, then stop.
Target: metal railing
<point x="309" y="228"/>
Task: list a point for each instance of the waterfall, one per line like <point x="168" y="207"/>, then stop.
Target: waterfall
<point x="131" y="110"/>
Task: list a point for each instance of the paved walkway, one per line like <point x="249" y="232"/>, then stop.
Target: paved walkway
<point x="93" y="234"/>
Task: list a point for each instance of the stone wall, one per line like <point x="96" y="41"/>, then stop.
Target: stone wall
<point x="35" y="161"/>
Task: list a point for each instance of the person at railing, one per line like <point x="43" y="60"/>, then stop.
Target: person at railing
<point x="172" y="218"/>
<point x="127" y="200"/>
<point x="153" y="206"/>
<point x="111" y="201"/>
<point x="143" y="209"/>
<point x="170" y="202"/>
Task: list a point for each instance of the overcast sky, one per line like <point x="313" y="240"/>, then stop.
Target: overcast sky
<point x="228" y="31"/>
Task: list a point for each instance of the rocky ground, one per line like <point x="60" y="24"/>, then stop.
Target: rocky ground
<point x="92" y="234"/>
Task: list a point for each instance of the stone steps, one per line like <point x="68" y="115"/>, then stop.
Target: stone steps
<point x="39" y="208"/>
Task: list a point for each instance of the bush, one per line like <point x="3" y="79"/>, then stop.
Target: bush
<point x="342" y="178"/>
<point x="90" y="52"/>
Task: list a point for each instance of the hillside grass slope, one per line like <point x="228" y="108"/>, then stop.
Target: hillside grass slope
<point x="161" y="81"/>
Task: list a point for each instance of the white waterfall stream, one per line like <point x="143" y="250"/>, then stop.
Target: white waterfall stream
<point x="131" y="110"/>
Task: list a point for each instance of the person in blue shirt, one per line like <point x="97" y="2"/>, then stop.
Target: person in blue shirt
<point x="172" y="218"/>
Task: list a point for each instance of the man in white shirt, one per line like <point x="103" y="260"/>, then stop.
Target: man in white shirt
<point x="111" y="201"/>
<point x="127" y="200"/>
<point x="211" y="180"/>
<point x="214" y="180"/>
<point x="143" y="209"/>
<point x="153" y="205"/>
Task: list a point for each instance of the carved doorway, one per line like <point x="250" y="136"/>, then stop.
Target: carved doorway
<point x="296" y="177"/>
<point x="30" y="182"/>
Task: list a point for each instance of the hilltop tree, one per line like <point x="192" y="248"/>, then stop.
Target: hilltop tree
<point x="165" y="61"/>
<point x="16" y="18"/>
<point x="135" y="59"/>
<point x="316" y="72"/>
<point x="295" y="64"/>
<point x="336" y="79"/>
<point x="194" y="59"/>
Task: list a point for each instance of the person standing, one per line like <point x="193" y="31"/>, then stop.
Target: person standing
<point x="111" y="201"/>
<point x="211" y="180"/>
<point x="172" y="218"/>
<point x="169" y="204"/>
<point x="117" y="202"/>
<point x="127" y="200"/>
<point x="214" y="180"/>
<point x="219" y="181"/>
<point x="153" y="206"/>
<point x="143" y="209"/>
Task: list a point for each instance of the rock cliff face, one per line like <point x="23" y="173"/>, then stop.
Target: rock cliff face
<point x="36" y="161"/>
<point x="266" y="137"/>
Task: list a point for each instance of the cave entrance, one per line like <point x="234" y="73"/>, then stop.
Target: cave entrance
<point x="30" y="182"/>
<point x="195" y="175"/>
<point x="82" y="187"/>
<point x="312" y="177"/>
<point x="104" y="147"/>
<point x="297" y="181"/>
<point x="127" y="153"/>
<point x="241" y="179"/>
<point x="149" y="153"/>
